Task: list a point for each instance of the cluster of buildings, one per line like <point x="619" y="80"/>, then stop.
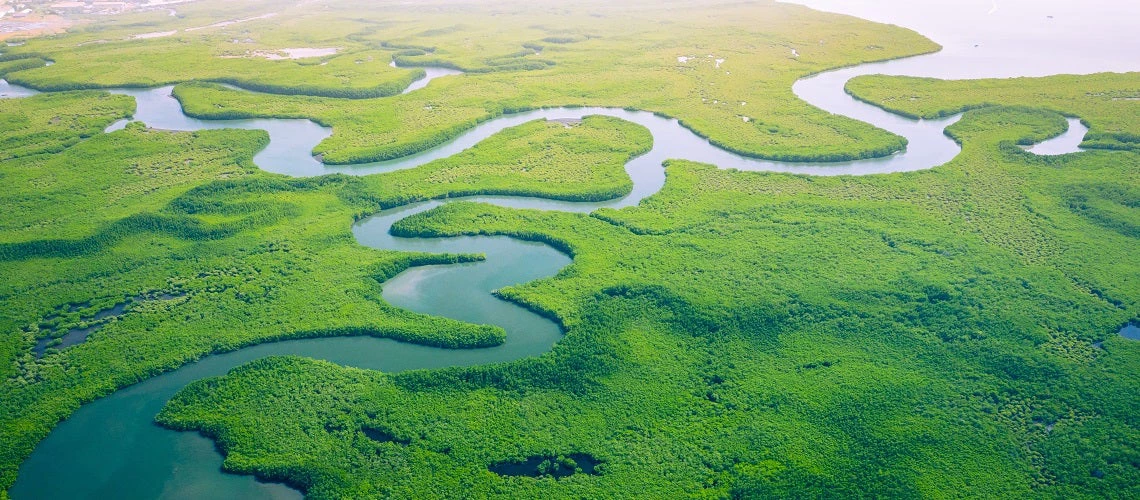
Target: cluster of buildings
<point x="105" y="8"/>
<point x="14" y="10"/>
<point x="89" y="7"/>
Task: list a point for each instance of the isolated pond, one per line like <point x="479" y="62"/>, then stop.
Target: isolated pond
<point x="77" y="336"/>
<point x="549" y="466"/>
<point x="112" y="449"/>
<point x="1130" y="331"/>
<point x="94" y="323"/>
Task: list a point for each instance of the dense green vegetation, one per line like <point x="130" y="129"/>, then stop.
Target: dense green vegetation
<point x="1114" y="98"/>
<point x="540" y="158"/>
<point x="140" y="212"/>
<point x="621" y="54"/>
<point x="950" y="332"/>
<point x="110" y="53"/>
<point x="19" y="64"/>
<point x="940" y="333"/>
<point x="49" y="123"/>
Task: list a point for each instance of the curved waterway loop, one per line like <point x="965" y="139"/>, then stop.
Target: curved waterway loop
<point x="7" y="90"/>
<point x="430" y="73"/>
<point x="1068" y="142"/>
<point x="112" y="448"/>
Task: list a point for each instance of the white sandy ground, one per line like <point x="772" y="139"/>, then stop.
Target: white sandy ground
<point x="232" y="21"/>
<point x="155" y="34"/>
<point x="293" y="53"/>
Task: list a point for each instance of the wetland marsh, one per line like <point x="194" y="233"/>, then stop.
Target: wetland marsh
<point x="113" y="436"/>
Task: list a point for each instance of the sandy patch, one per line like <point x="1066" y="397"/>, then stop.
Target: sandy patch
<point x="32" y="25"/>
<point x="717" y="61"/>
<point x="155" y="34"/>
<point x="283" y="54"/>
<point x="566" y="122"/>
<point x="300" y="53"/>
<point x="232" y="21"/>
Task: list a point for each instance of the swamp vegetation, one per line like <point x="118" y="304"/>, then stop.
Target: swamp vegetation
<point x="961" y="338"/>
<point x="949" y="332"/>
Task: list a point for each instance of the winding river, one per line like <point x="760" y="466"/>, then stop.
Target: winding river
<point x="111" y="447"/>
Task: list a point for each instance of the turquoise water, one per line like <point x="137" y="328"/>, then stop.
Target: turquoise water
<point x="1130" y="331"/>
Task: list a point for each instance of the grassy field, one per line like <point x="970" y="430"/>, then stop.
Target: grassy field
<point x="49" y="123"/>
<point x="521" y="55"/>
<point x="1113" y="98"/>
<point x="950" y="332"/>
<point x="545" y="159"/>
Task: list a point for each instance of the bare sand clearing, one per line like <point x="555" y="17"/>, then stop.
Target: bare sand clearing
<point x="231" y="21"/>
<point x="300" y="53"/>
<point x="155" y="34"/>
<point x="282" y="54"/>
<point x="32" y="25"/>
<point x="566" y="122"/>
